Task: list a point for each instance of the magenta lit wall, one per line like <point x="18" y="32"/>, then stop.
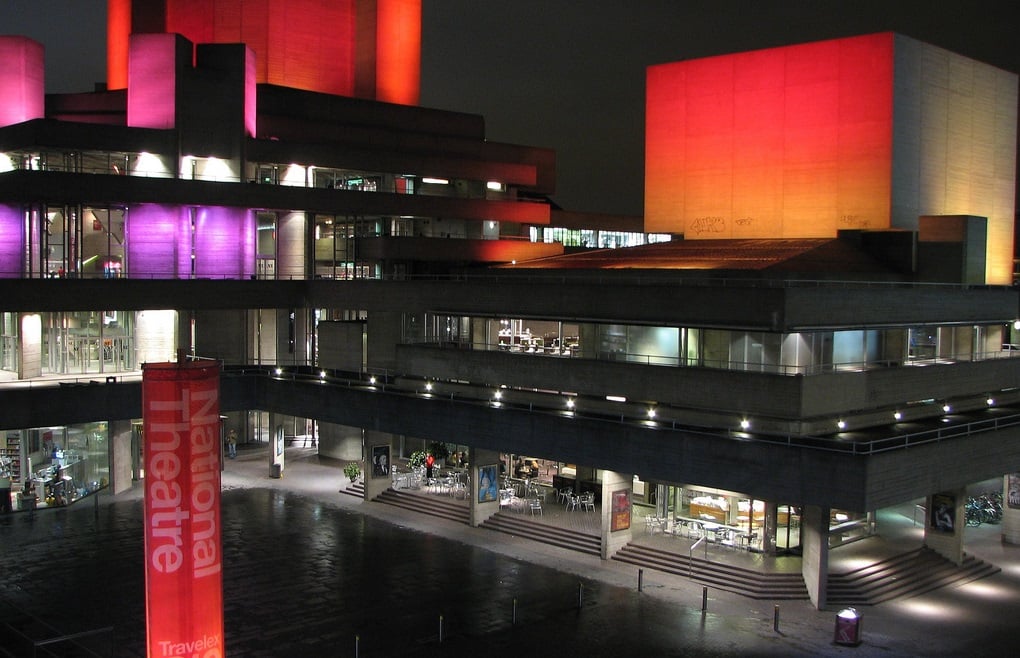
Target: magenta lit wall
<point x="158" y="242"/>
<point x="11" y="242"/>
<point x="250" y="107"/>
<point x="152" y="80"/>
<point x="22" y="80"/>
<point x="224" y="242"/>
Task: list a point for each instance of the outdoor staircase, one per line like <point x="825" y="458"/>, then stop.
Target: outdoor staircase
<point x="727" y="577"/>
<point x="905" y="575"/>
<point x="356" y="489"/>
<point x="441" y="506"/>
<point x="520" y="525"/>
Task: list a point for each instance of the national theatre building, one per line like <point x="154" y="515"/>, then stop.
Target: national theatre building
<point x="815" y="320"/>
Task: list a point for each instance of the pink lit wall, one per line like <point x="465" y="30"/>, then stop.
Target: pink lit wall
<point x="12" y="246"/>
<point x="224" y="242"/>
<point x="22" y="80"/>
<point x="152" y="79"/>
<point x="785" y="142"/>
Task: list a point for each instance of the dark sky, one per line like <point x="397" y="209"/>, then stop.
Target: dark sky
<point x="569" y="74"/>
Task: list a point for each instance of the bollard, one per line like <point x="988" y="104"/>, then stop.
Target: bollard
<point x="357" y="641"/>
<point x="775" y="619"/>
<point x="96" y="506"/>
<point x="640" y="577"/>
<point x="580" y="594"/>
<point x="440" y="629"/>
<point x="704" y="599"/>
<point x="513" y="621"/>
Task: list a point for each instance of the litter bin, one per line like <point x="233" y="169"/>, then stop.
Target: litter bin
<point x="276" y="470"/>
<point x="848" y="627"/>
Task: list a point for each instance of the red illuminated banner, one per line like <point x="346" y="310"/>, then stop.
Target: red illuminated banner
<point x="183" y="560"/>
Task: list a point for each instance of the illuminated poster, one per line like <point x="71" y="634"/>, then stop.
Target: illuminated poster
<point x="621" y="510"/>
<point x="183" y="560"/>
<point x="1013" y="491"/>
<point x="943" y="512"/>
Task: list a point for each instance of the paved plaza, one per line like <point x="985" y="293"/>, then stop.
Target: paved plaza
<point x="312" y="572"/>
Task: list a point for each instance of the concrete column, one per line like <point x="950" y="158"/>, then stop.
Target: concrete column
<point x="768" y="532"/>
<point x="815" y="547"/>
<point x="618" y="510"/>
<point x="276" y="445"/>
<point x="943" y="529"/>
<point x="341" y="441"/>
<point x="30" y="345"/>
<point x="376" y="484"/>
<point x="120" y="456"/>
<point x="290" y="246"/>
<point x="384" y="334"/>
<point x="1011" y="508"/>
<point x="480" y="459"/>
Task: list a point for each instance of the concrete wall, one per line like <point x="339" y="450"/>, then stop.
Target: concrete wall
<point x="1011" y="508"/>
<point x="480" y="511"/>
<point x="221" y="335"/>
<point x="781" y="400"/>
<point x="384" y="328"/>
<point x="614" y="541"/>
<point x="376" y="484"/>
<point x="341" y="345"/>
<point x="120" y="456"/>
<point x="947" y="543"/>
<point x="815" y="555"/>
<point x="340" y="441"/>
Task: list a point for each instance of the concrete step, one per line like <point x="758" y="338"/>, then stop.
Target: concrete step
<point x="521" y="525"/>
<point x="905" y="575"/>
<point x="357" y="489"/>
<point x="438" y="506"/>
<point x="731" y="578"/>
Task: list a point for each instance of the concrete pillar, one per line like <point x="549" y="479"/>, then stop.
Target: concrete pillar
<point x="290" y="246"/>
<point x="616" y="511"/>
<point x="383" y="335"/>
<point x="768" y="532"/>
<point x="487" y="461"/>
<point x="120" y="456"/>
<point x="377" y="443"/>
<point x="341" y="441"/>
<point x="276" y="443"/>
<point x="943" y="529"/>
<point x="1011" y="508"/>
<point x="30" y="345"/>
<point x="815" y="558"/>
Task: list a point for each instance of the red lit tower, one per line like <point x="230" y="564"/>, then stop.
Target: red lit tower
<point x="367" y="49"/>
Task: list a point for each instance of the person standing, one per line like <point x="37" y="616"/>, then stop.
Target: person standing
<point x="232" y="444"/>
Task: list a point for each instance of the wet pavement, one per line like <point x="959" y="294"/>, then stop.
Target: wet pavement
<point x="311" y="572"/>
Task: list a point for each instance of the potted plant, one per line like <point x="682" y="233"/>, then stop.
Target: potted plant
<point x="353" y="471"/>
<point x="439" y="450"/>
<point x="417" y="459"/>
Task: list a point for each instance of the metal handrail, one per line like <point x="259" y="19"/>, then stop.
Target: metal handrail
<point x="690" y="556"/>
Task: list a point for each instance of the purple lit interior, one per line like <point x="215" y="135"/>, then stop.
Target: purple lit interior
<point x="11" y="242"/>
<point x="22" y="80"/>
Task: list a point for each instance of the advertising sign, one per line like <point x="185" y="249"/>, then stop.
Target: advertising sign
<point x="183" y="560"/>
<point x="621" y="510"/>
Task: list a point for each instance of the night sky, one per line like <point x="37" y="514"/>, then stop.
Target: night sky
<point x="569" y="74"/>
